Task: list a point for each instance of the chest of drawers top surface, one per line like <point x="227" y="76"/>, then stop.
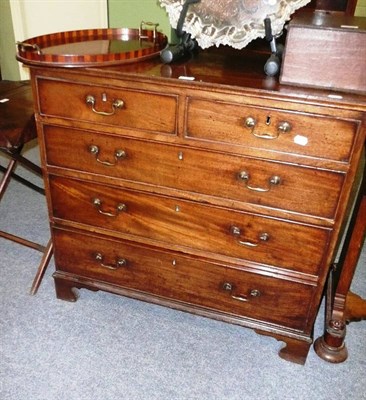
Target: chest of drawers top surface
<point x="222" y="69"/>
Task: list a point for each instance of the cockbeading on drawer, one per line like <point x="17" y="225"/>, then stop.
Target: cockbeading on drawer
<point x="189" y="226"/>
<point x="184" y="279"/>
<point x="228" y="177"/>
<point x="107" y="105"/>
<point x="301" y="133"/>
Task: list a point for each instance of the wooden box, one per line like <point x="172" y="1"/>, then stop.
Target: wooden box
<point x="327" y="51"/>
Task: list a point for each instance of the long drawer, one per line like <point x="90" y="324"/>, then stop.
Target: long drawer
<point x="272" y="129"/>
<point x="140" y="110"/>
<point x="184" y="279"/>
<point x="255" y="181"/>
<point x="190" y="225"/>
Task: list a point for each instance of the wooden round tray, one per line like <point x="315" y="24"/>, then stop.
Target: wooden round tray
<point x="92" y="47"/>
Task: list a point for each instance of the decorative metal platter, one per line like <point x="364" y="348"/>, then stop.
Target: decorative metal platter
<point x="92" y="47"/>
<point x="231" y="22"/>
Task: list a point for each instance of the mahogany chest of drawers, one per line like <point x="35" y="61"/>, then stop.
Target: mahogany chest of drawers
<point x="223" y="196"/>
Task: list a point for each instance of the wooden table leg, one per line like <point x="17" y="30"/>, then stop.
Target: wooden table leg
<point x="355" y="308"/>
<point x="344" y="306"/>
<point x="42" y="267"/>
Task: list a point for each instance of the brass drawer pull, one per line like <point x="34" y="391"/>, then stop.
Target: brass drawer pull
<point x="273" y="180"/>
<point x="118" y="155"/>
<point x="250" y="122"/>
<point x="282" y="127"/>
<point x="229" y="287"/>
<point x="236" y="231"/>
<point x="120" y="208"/>
<point x="117" y="104"/>
<point x="265" y="135"/>
<point x="120" y="262"/>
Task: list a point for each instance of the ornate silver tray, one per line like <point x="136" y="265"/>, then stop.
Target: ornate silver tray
<point x="231" y="22"/>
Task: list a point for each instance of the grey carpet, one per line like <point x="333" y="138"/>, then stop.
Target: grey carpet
<point x="106" y="347"/>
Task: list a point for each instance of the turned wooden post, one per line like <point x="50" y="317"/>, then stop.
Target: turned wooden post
<point x="342" y="306"/>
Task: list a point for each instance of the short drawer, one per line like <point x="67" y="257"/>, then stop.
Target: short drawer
<point x="141" y="110"/>
<point x="262" y="183"/>
<point x="190" y="226"/>
<point x="180" y="278"/>
<point x="272" y="129"/>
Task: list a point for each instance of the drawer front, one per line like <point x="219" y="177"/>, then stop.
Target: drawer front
<point x="272" y="129"/>
<point x="145" y="111"/>
<point x="189" y="225"/>
<point x="183" y="279"/>
<point x="269" y="184"/>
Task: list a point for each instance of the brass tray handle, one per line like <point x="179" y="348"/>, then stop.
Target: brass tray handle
<point x="282" y="127"/>
<point x="119" y="208"/>
<point x="236" y="231"/>
<point x="142" y="24"/>
<point x="273" y="180"/>
<point x="120" y="262"/>
<point x="118" y="155"/>
<point x="252" y="293"/>
<point x="117" y="104"/>
<point x="23" y="46"/>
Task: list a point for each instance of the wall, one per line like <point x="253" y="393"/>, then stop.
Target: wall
<point x="130" y="13"/>
<point x="361" y="8"/>
<point x="22" y="19"/>
<point x="8" y="65"/>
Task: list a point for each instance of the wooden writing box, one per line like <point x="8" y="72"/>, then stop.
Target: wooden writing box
<point x="326" y="50"/>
